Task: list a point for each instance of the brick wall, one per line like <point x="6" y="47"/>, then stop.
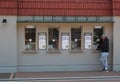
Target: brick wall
<point x="65" y="7"/>
<point x="8" y="7"/>
<point x="60" y="7"/>
<point x="116" y="7"/>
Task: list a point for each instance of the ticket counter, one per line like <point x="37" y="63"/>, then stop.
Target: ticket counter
<point x="61" y="46"/>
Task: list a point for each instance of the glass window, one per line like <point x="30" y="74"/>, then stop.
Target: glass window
<point x="106" y="18"/>
<point x="83" y="19"/>
<point x="70" y="18"/>
<point x="47" y="18"/>
<point x="75" y="38"/>
<point x="98" y="31"/>
<point x="53" y="39"/>
<point x="58" y="18"/>
<point x="91" y="18"/>
<point x="38" y="18"/>
<point x="25" y="18"/>
<point x="30" y="40"/>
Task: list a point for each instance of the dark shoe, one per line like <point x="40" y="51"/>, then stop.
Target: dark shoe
<point x="103" y="69"/>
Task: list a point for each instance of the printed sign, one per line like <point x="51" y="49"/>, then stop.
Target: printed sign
<point x="65" y="40"/>
<point x="88" y="40"/>
<point x="42" y="41"/>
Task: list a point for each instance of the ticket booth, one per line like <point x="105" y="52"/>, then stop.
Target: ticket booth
<point x="67" y="45"/>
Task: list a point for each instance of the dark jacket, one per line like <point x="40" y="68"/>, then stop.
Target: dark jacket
<point x="104" y="45"/>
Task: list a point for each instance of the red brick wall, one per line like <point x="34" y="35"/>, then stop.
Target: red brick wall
<point x="60" y="7"/>
<point x="65" y="7"/>
<point x="116" y="7"/>
<point x="8" y="7"/>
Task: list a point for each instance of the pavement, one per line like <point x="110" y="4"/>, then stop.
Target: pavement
<point x="63" y="74"/>
<point x="66" y="74"/>
<point x="4" y="75"/>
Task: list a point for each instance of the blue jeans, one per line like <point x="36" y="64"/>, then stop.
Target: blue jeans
<point x="104" y="60"/>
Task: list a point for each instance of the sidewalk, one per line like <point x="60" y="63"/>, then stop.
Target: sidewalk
<point x="4" y="75"/>
<point x="64" y="74"/>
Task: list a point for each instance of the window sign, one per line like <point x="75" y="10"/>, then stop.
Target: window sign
<point x="65" y="40"/>
<point x="42" y="41"/>
<point x="88" y="40"/>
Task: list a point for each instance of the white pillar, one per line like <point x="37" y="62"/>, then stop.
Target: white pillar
<point x="116" y="44"/>
<point x="8" y="44"/>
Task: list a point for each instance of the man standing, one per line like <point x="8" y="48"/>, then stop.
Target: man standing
<point x="104" y="45"/>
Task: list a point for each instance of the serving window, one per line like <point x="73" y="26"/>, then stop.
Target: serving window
<point x="30" y="38"/>
<point x="75" y="38"/>
<point x="53" y="39"/>
<point x="98" y="32"/>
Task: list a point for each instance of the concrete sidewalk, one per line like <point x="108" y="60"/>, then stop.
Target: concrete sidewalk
<point x="65" y="74"/>
<point x="62" y="77"/>
<point x="68" y="74"/>
<point x="4" y="75"/>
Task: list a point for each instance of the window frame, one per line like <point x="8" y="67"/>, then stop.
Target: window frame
<point x="29" y="50"/>
<point x="80" y="49"/>
<point x="95" y="43"/>
<point x="56" y="49"/>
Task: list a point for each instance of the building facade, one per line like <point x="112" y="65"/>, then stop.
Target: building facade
<point x="57" y="35"/>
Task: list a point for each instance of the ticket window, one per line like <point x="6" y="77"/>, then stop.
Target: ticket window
<point x="53" y="37"/>
<point x="30" y="38"/>
<point x="98" y="32"/>
<point x="75" y="38"/>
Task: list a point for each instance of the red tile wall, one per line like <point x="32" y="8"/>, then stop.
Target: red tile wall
<point x="82" y="5"/>
<point x="68" y="0"/>
<point x="8" y="7"/>
<point x="60" y="7"/>
<point x="65" y="7"/>
<point x="116" y="7"/>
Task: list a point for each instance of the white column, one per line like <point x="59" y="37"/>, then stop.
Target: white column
<point x="8" y="44"/>
<point x="116" y="44"/>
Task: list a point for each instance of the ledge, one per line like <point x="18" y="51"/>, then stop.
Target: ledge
<point x="96" y="51"/>
<point x="76" y="51"/>
<point x="53" y="51"/>
<point x="30" y="51"/>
